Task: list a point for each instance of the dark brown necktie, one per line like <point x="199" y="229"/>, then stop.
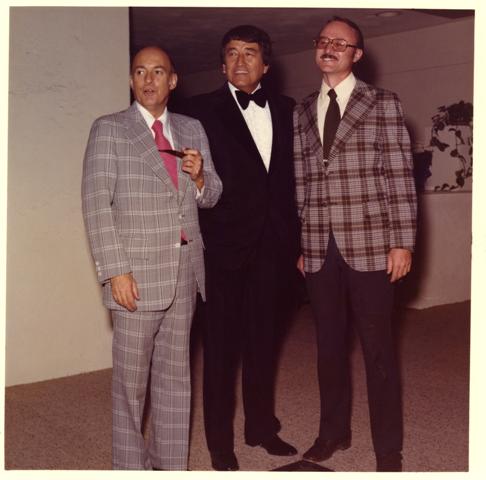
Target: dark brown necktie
<point x="331" y="123"/>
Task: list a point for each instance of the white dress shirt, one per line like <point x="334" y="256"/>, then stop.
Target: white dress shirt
<point x="343" y="91"/>
<point x="164" y="118"/>
<point x="150" y="119"/>
<point x="259" y="122"/>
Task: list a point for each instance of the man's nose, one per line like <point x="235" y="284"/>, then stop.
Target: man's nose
<point x="329" y="48"/>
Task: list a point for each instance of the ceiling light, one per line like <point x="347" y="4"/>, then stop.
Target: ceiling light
<point x="388" y="14"/>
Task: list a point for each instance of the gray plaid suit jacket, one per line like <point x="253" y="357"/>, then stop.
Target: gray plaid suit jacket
<point x="132" y="211"/>
<point x="366" y="194"/>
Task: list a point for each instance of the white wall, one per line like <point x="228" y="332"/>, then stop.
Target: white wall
<point x="429" y="68"/>
<point x="441" y="270"/>
<point x="67" y="66"/>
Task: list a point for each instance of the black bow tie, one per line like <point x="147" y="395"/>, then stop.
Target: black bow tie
<point x="244" y="98"/>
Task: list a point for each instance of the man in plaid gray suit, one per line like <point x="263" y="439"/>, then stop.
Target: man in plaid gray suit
<point x="144" y="235"/>
<point x="357" y="205"/>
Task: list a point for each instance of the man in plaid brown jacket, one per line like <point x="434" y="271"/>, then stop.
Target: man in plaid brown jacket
<point x="357" y="205"/>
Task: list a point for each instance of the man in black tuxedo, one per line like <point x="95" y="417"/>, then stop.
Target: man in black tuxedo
<point x="251" y="241"/>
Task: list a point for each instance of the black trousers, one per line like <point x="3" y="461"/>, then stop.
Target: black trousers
<point x="334" y="292"/>
<point x="240" y="319"/>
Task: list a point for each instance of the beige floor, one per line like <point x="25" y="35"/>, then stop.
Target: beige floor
<point x="65" y="423"/>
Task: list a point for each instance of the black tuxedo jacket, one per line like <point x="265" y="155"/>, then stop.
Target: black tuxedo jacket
<point x="254" y="202"/>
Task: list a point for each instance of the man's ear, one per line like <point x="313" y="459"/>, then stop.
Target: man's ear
<point x="173" y="81"/>
<point x="265" y="69"/>
<point x="223" y="68"/>
<point x="358" y="53"/>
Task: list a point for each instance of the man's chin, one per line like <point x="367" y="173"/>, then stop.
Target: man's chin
<point x="244" y="86"/>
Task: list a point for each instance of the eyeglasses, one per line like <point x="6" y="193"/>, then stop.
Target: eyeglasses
<point x="338" y="44"/>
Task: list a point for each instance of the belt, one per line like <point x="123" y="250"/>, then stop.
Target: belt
<point x="183" y="241"/>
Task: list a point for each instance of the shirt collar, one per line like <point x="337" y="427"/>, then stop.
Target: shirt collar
<point x="343" y="89"/>
<point x="150" y="119"/>
<point x="233" y="90"/>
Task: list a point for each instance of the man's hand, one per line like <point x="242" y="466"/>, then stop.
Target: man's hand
<point x="192" y="163"/>
<point x="399" y="262"/>
<point x="125" y="291"/>
<point x="300" y="265"/>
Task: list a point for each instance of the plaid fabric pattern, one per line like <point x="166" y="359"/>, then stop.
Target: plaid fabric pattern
<point x="366" y="195"/>
<point x="160" y="339"/>
<point x="134" y="217"/>
<point x="133" y="213"/>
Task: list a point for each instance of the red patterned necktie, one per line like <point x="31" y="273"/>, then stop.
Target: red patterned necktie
<point x="170" y="161"/>
<point x="162" y="143"/>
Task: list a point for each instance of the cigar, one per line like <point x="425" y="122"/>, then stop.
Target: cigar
<point x="176" y="153"/>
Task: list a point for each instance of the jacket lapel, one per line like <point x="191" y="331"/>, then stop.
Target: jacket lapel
<point x="309" y="125"/>
<point x="277" y="133"/>
<point x="360" y="103"/>
<point x="180" y="140"/>
<point x="144" y="145"/>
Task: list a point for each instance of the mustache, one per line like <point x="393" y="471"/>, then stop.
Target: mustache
<point x="327" y="55"/>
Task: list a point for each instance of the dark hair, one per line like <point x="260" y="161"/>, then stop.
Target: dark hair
<point x="250" y="34"/>
<point x="349" y="23"/>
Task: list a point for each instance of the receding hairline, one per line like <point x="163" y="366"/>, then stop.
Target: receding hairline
<point x="351" y="25"/>
<point x="152" y="47"/>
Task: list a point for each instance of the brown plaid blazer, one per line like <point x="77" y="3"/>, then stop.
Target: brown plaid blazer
<point x="366" y="194"/>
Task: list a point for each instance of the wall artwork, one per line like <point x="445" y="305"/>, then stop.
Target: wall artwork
<point x="446" y="163"/>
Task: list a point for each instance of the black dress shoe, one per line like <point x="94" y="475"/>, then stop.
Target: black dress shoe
<point x="391" y="462"/>
<point x="324" y="449"/>
<point x="276" y="446"/>
<point x="224" y="461"/>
